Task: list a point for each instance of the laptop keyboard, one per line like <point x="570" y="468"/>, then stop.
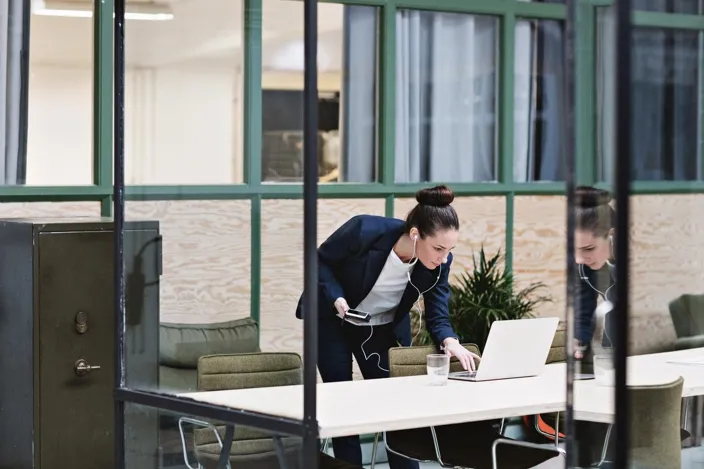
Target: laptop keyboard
<point x="466" y="374"/>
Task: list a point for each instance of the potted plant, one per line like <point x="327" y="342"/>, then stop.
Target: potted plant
<point x="482" y="295"/>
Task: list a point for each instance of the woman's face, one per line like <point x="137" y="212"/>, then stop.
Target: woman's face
<point x="592" y="251"/>
<point x="433" y="250"/>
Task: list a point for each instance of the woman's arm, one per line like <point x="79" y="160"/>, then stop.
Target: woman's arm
<point x="437" y="313"/>
<point x="344" y="242"/>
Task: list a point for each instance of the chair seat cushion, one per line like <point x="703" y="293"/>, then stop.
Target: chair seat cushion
<point x="249" y="447"/>
<point x="466" y="445"/>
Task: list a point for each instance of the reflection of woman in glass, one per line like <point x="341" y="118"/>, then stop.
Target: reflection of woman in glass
<point x="594" y="254"/>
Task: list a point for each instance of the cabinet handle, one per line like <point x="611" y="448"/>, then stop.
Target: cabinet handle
<point x="83" y="368"/>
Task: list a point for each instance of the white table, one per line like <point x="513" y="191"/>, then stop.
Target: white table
<point x="596" y="403"/>
<point x="369" y="406"/>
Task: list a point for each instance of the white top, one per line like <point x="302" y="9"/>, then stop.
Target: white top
<point x="410" y="402"/>
<point x="385" y="295"/>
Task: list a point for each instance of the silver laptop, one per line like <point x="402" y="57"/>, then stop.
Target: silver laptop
<point x="516" y="348"/>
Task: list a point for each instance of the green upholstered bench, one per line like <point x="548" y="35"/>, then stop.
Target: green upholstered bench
<point x="182" y="345"/>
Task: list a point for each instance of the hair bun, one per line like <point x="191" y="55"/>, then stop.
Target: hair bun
<point x="438" y="196"/>
<point x="591" y="197"/>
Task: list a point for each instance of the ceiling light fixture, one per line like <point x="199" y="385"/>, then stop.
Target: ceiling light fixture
<point x="74" y="10"/>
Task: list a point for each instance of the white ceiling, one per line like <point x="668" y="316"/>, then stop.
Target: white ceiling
<point x="203" y="31"/>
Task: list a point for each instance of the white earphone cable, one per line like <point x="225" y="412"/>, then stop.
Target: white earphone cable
<point x="604" y="295"/>
<point x="416" y="303"/>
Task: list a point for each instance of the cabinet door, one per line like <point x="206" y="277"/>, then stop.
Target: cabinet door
<point x="75" y="273"/>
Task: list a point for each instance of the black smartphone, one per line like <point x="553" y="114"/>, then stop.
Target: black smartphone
<point x="361" y="315"/>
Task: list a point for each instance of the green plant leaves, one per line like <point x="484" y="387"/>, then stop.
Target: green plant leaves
<point x="484" y="294"/>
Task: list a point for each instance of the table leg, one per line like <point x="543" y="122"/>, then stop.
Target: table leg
<point x="279" y="445"/>
<point x="224" y="460"/>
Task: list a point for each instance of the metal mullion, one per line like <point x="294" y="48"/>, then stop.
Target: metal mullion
<point x="494" y="7"/>
<point x="102" y="99"/>
<point x="252" y="109"/>
<point x="371" y="3"/>
<point x="53" y="193"/>
<point x="387" y="95"/>
<point x="585" y="85"/>
<point x="310" y="229"/>
<point x="623" y="156"/>
<point x="700" y="99"/>
<point x="652" y="19"/>
<point x="188" y="406"/>
<point x="507" y="35"/>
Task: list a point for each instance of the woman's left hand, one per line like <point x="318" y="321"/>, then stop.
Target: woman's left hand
<point x="466" y="358"/>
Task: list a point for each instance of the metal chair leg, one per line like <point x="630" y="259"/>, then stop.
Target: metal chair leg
<point x="198" y="423"/>
<point x="279" y="445"/>
<point x="375" y="445"/>
<point x="525" y="444"/>
<point x="605" y="448"/>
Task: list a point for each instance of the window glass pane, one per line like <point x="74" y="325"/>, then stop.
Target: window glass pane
<point x="347" y="69"/>
<point x="539" y="119"/>
<point x="59" y="112"/>
<point x="183" y="94"/>
<point x="446" y="97"/>
<point x="666" y="103"/>
<point x="669" y="6"/>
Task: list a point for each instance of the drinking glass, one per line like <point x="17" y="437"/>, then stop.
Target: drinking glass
<point x="604" y="371"/>
<point x="438" y="369"/>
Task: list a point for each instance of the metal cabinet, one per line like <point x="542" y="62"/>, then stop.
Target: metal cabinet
<point x="57" y="342"/>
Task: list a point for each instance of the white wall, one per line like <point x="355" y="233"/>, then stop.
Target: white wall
<point x="59" y="140"/>
<point x="183" y="124"/>
<point x="180" y="128"/>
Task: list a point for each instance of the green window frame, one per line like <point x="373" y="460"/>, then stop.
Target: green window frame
<point x="508" y="12"/>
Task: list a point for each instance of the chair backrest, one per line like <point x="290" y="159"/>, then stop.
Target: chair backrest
<point x="245" y="371"/>
<point x="687" y="313"/>
<point x="654" y="420"/>
<point x="249" y="370"/>
<point x="557" y="352"/>
<point x="411" y="361"/>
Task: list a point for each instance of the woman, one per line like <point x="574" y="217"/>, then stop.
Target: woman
<point x="594" y="255"/>
<point x="382" y="266"/>
<point x="596" y="267"/>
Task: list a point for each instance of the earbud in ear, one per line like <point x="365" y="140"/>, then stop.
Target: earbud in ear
<point x="415" y="238"/>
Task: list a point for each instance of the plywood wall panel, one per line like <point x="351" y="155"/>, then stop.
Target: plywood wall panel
<point x="206" y="258"/>
<point x="282" y="262"/>
<point x="539" y="243"/>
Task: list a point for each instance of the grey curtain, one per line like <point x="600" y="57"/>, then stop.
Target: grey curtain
<point x="666" y="102"/>
<point x="13" y="90"/>
<point x="445" y="97"/>
<point x="538" y="117"/>
<point x="359" y="91"/>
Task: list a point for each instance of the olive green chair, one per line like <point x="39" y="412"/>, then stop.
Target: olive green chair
<point x="655" y="437"/>
<point x="252" y="448"/>
<point x="687" y="313"/>
<point x="477" y="445"/>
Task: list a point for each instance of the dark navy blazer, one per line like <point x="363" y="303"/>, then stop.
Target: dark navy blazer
<point x="351" y="259"/>
<point x="586" y="302"/>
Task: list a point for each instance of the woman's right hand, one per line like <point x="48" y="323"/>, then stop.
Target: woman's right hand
<point x="342" y="307"/>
